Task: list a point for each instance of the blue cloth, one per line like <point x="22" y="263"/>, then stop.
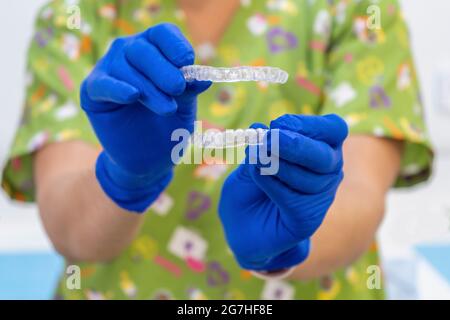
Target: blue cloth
<point x="269" y="219"/>
<point x="135" y="98"/>
<point x="26" y="276"/>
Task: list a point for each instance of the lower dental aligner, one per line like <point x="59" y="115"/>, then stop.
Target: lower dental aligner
<point x="213" y="139"/>
<point x="244" y="73"/>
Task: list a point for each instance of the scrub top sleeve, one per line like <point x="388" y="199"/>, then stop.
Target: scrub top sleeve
<point x="60" y="56"/>
<point x="372" y="82"/>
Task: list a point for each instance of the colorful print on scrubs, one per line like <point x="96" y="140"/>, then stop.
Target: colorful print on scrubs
<point x="336" y="65"/>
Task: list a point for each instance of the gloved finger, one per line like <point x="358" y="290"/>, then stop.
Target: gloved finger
<point x="251" y="156"/>
<point x="102" y="88"/>
<point x="259" y="125"/>
<point x="150" y="96"/>
<point x="330" y="129"/>
<point x="247" y="188"/>
<point x="301" y="150"/>
<point x="172" y="43"/>
<point x="253" y="152"/>
<point x="303" y="180"/>
<point x="194" y="88"/>
<point x="290" y="258"/>
<point x="186" y="102"/>
<point x="276" y="190"/>
<point x="148" y="60"/>
<point x="314" y="208"/>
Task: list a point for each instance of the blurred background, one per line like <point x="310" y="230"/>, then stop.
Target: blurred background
<point x="414" y="238"/>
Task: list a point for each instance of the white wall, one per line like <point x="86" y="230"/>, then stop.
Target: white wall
<point x="423" y="213"/>
<point x="429" y="25"/>
<point x="420" y="214"/>
<point x="19" y="225"/>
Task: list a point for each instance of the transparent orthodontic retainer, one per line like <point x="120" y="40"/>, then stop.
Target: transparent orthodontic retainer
<point x="229" y="138"/>
<point x="238" y="137"/>
<point x="236" y="74"/>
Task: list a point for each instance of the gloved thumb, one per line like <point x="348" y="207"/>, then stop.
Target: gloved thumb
<point x="186" y="101"/>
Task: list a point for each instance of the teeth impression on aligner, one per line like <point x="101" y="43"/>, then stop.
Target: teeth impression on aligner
<point x="245" y="73"/>
<point x="229" y="138"/>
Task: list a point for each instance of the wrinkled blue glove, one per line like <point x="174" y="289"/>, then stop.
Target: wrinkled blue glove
<point x="134" y="98"/>
<point x="269" y="219"/>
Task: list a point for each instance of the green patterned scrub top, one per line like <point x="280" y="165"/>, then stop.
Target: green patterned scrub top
<point x="336" y="65"/>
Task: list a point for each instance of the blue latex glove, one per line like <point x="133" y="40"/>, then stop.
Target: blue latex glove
<point x="135" y="97"/>
<point x="269" y="219"/>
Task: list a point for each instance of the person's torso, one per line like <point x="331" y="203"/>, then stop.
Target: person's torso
<point x="181" y="252"/>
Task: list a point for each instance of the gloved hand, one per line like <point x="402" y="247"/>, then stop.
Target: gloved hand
<point x="269" y="219"/>
<point x="134" y="98"/>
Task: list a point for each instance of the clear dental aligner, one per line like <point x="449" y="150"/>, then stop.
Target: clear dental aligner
<point x="229" y="139"/>
<point x="244" y="73"/>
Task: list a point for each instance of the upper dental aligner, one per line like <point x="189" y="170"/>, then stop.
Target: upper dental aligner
<point x="244" y="73"/>
<point x="213" y="139"/>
